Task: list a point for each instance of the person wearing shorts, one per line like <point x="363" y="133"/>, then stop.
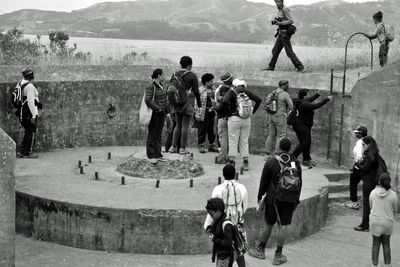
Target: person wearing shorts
<point x="275" y="211"/>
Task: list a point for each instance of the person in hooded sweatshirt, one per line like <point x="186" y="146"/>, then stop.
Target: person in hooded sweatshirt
<point x="383" y="202"/>
<point x="304" y="122"/>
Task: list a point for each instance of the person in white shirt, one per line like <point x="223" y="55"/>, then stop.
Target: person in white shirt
<point x="234" y="195"/>
<point x="29" y="114"/>
<point x="355" y="176"/>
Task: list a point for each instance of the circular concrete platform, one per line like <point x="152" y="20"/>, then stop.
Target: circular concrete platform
<point x="58" y="204"/>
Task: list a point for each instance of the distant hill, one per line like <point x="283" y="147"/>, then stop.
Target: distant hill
<point x="323" y="23"/>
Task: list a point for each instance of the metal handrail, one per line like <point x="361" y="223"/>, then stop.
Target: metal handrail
<point x="344" y="89"/>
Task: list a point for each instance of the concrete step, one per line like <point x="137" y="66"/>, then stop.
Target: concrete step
<point x="342" y="185"/>
<point x="335" y="177"/>
<point x="342" y="196"/>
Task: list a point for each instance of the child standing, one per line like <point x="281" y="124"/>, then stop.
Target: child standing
<point x="383" y="202"/>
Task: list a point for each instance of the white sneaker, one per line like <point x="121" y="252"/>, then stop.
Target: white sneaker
<point x="352" y="205"/>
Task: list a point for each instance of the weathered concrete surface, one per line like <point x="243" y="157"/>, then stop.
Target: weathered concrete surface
<point x="7" y="200"/>
<point x="337" y="244"/>
<point x="56" y="204"/>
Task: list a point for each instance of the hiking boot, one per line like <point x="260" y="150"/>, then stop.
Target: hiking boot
<point x="153" y="161"/>
<point x="301" y="69"/>
<point x="32" y="156"/>
<point x="258" y="253"/>
<point x="279" y="259"/>
<point x="183" y="151"/>
<point x="308" y="163"/>
<point x="20" y="155"/>
<point x="213" y="148"/>
<point x="173" y="150"/>
<point x="245" y="165"/>
<point x="219" y="160"/>
<point x="352" y="205"/>
<point x="361" y="228"/>
<point x="268" y="69"/>
<point x="202" y="149"/>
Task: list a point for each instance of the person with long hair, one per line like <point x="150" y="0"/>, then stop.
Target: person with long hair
<point x="383" y="202"/>
<point x="156" y="99"/>
<point x="368" y="167"/>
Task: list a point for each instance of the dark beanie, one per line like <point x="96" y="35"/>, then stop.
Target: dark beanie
<point x="285" y="144"/>
<point x="302" y="93"/>
<point x="229" y="172"/>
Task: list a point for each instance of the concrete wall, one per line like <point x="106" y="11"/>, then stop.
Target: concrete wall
<point x="74" y="110"/>
<point x="145" y="231"/>
<point x="7" y="200"/>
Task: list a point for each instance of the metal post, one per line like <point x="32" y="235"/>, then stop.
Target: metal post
<point x="219" y="180"/>
<point x="328" y="152"/>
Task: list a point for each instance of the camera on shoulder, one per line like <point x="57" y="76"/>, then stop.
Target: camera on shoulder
<point x="275" y="21"/>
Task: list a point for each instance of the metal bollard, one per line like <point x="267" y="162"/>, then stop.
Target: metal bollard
<point x="96" y="176"/>
<point x="241" y="171"/>
<point x="123" y="180"/>
<point x="90" y="159"/>
<point x="236" y="176"/>
<point x="81" y="170"/>
<point x="109" y="155"/>
<point x="191" y="155"/>
<point x="157" y="183"/>
<point x="79" y="163"/>
<point x="191" y="183"/>
<point x="216" y="160"/>
<point x="219" y="180"/>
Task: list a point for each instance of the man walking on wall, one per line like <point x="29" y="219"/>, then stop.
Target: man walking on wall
<point x="285" y="30"/>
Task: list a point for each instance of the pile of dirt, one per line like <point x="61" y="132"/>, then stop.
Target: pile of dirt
<point x="163" y="169"/>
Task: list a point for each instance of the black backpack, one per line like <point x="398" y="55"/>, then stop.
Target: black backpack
<point x="288" y="186"/>
<point x="292" y="116"/>
<point x="17" y="95"/>
<point x="177" y="90"/>
<point x="239" y="237"/>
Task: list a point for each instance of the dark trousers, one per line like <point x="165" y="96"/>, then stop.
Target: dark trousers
<point x="355" y="178"/>
<point x="367" y="189"/>
<point x="168" y="141"/>
<point x="28" y="142"/>
<point x="283" y="41"/>
<point x="206" y="128"/>
<point x="376" y="244"/>
<point x="303" y="133"/>
<point x="153" y="144"/>
<point x="181" y="130"/>
<point x="383" y="53"/>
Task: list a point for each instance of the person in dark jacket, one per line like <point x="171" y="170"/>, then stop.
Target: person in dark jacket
<point x="221" y="237"/>
<point x="368" y="167"/>
<point x="222" y="114"/>
<point x="274" y="207"/>
<point x="185" y="112"/>
<point x="304" y="123"/>
<point x="238" y="127"/>
<point x="156" y="99"/>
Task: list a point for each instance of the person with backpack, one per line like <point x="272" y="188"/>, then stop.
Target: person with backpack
<point x="222" y="127"/>
<point x="277" y="105"/>
<point x="304" y="122"/>
<point x="278" y="196"/>
<point x="285" y="30"/>
<point x="156" y="99"/>
<point x="371" y="167"/>
<point x="385" y="35"/>
<point x="383" y="202"/>
<point x="185" y="84"/>
<point x="240" y="108"/>
<point x="234" y="196"/>
<point x="355" y="175"/>
<point x="25" y="99"/>
<point x="206" y="114"/>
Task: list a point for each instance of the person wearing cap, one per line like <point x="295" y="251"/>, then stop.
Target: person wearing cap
<point x="206" y="114"/>
<point x="277" y="123"/>
<point x="355" y="176"/>
<point x="185" y="113"/>
<point x="238" y="127"/>
<point x="222" y="114"/>
<point x="305" y="121"/>
<point x="285" y="30"/>
<point x="234" y="211"/>
<point x="29" y="114"/>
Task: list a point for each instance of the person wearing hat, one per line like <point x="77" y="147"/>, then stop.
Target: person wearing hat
<point x="355" y="176"/>
<point x="230" y="191"/>
<point x="29" y="114"/>
<point x="304" y="122"/>
<point x="277" y="123"/>
<point x="222" y="121"/>
<point x="239" y="127"/>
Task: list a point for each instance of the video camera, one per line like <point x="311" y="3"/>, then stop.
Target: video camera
<point x="275" y="21"/>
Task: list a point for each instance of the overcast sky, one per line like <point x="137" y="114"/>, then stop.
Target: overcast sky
<point x="68" y="5"/>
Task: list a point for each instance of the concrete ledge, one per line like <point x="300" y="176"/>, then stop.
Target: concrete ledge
<point x="56" y="204"/>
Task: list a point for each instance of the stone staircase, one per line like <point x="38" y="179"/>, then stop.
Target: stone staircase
<point x="339" y="187"/>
